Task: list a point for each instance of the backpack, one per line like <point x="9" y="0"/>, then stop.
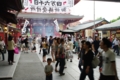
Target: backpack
<point x="95" y="62"/>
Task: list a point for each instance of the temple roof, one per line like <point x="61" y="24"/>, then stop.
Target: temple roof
<point x="49" y="16"/>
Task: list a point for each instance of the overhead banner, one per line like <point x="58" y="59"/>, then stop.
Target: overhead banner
<point x="48" y="6"/>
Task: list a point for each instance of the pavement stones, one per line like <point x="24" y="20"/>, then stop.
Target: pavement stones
<point x="7" y="71"/>
<point x="29" y="68"/>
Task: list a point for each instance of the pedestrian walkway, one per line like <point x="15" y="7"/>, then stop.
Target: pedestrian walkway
<point x="7" y="71"/>
<point x="29" y="68"/>
<point x="72" y="72"/>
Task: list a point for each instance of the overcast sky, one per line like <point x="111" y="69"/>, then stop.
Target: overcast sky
<point x="107" y="10"/>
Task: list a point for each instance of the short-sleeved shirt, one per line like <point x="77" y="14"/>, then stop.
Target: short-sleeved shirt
<point x="48" y="68"/>
<point x="11" y="45"/>
<point x="108" y="58"/>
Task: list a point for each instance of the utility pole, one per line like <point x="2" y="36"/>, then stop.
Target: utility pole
<point x="94" y="17"/>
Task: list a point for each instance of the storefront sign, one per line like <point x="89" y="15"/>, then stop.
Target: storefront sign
<point x="48" y="6"/>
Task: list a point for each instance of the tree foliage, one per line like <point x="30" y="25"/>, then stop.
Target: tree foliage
<point x="115" y="19"/>
<point x="99" y="18"/>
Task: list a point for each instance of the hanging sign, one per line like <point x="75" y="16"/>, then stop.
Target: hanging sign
<point x="48" y="6"/>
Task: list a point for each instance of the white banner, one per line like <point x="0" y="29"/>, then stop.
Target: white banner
<point x="56" y="25"/>
<point x="48" y="6"/>
<point x="24" y="26"/>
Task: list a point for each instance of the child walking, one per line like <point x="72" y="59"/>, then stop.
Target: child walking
<point x="49" y="69"/>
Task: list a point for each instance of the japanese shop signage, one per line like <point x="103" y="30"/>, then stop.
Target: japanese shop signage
<point x="48" y="6"/>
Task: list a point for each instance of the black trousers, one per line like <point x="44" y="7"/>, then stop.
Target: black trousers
<point x="49" y="77"/>
<point x="80" y="65"/>
<point x="44" y="52"/>
<point x="3" y="57"/>
<point x="58" y="61"/>
<point x="90" y="75"/>
<point x="62" y="65"/>
<point x="103" y="77"/>
<point x="10" y="55"/>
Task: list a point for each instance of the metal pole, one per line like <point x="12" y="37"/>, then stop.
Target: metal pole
<point x="94" y="17"/>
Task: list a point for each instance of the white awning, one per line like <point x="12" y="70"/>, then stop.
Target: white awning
<point x="114" y="25"/>
<point x="48" y="16"/>
<point x="86" y="25"/>
<point x="68" y="30"/>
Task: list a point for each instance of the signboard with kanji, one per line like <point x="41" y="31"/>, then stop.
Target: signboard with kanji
<point x="48" y="6"/>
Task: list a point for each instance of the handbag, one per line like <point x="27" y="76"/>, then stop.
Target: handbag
<point x="95" y="62"/>
<point x="16" y="50"/>
<point x="62" y="55"/>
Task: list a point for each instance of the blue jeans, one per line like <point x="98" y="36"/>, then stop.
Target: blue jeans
<point x="3" y="57"/>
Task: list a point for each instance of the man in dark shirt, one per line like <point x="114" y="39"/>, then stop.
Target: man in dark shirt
<point x="50" y="43"/>
<point x="26" y="44"/>
<point x="95" y="45"/>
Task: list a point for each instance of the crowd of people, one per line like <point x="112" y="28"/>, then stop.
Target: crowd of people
<point x="62" y="49"/>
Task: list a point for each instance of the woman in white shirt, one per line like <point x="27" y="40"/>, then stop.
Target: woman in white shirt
<point x="2" y="44"/>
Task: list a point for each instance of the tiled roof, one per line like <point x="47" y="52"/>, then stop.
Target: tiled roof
<point x="86" y="25"/>
<point x="114" y="25"/>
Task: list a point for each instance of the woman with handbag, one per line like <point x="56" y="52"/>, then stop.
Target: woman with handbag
<point x="11" y="46"/>
<point x="44" y="48"/>
<point x="61" y="54"/>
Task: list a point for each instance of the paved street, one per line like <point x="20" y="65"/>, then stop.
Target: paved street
<point x="72" y="72"/>
<point x="30" y="67"/>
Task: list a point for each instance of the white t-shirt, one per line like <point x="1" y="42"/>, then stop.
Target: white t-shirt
<point x="70" y="45"/>
<point x="108" y="57"/>
<point x="48" y="68"/>
<point x="2" y="44"/>
<point x="90" y="40"/>
<point x="116" y="42"/>
<point x="100" y="50"/>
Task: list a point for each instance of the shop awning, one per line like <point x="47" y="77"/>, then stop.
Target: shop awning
<point x="114" y="25"/>
<point x="67" y="30"/>
<point x="86" y="25"/>
<point x="15" y="29"/>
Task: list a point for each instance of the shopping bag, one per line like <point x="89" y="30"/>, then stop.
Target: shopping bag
<point x="16" y="50"/>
